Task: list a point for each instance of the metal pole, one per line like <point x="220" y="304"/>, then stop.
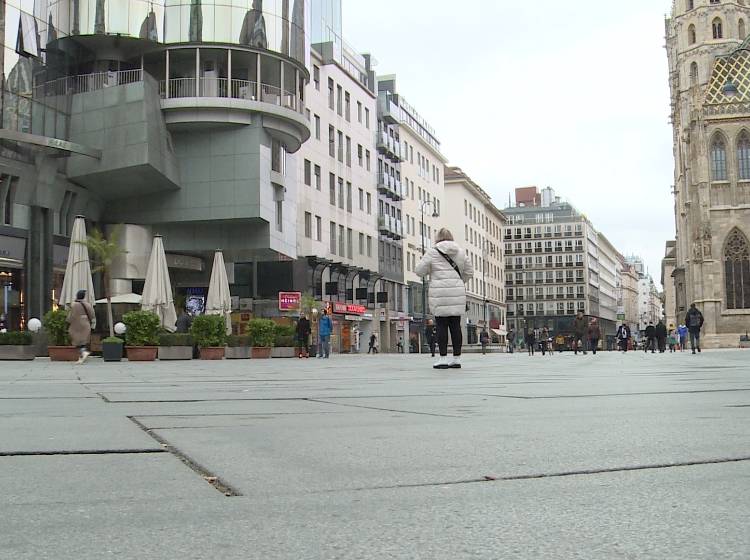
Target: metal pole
<point x="424" y="307"/>
<point x="484" y="285"/>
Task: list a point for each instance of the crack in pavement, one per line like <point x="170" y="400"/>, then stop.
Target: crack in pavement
<point x="81" y="452"/>
<point x="595" y="395"/>
<point x="538" y="476"/>
<point x="386" y="409"/>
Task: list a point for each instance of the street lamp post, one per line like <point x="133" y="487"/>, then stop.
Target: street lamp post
<point x="435" y="214"/>
<point x="484" y="283"/>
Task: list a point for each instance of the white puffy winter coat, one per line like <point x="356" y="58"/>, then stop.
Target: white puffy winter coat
<point x="447" y="289"/>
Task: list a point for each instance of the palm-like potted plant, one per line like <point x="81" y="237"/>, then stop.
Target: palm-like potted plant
<point x="175" y="346"/>
<point x="210" y="334"/>
<point x="16" y="345"/>
<point x="238" y="347"/>
<point x="262" y="333"/>
<point x="55" y="322"/>
<point x="142" y="335"/>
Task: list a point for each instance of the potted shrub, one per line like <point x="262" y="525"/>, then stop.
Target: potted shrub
<point x="16" y="345"/>
<point x="238" y="347"/>
<point x="112" y="349"/>
<point x="210" y="334"/>
<point x="285" y="342"/>
<point x="142" y="335"/>
<point x="175" y="346"/>
<point x="56" y="324"/>
<point x="262" y="333"/>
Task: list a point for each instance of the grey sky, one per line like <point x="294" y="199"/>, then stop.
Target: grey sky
<point x="572" y="95"/>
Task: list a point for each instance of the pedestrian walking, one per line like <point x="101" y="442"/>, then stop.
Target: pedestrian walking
<point x="303" y="336"/>
<point x="661" y="336"/>
<point x="623" y="336"/>
<point x="484" y="340"/>
<point x="694" y="322"/>
<point x="184" y="322"/>
<point x="650" y="338"/>
<point x="580" y="329"/>
<point x="672" y="339"/>
<point x="594" y="334"/>
<point x="81" y="319"/>
<point x="560" y="343"/>
<point x="530" y="341"/>
<point x="325" y="328"/>
<point x="373" y="344"/>
<point x="545" y="342"/>
<point x="400" y="345"/>
<point x="449" y="269"/>
<point x="511" y="338"/>
<point x="682" y="333"/>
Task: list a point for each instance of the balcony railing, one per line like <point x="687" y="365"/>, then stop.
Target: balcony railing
<point x="85" y="83"/>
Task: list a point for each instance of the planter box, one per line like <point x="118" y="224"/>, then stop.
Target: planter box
<point x="175" y="352"/>
<point x="212" y="353"/>
<point x="142" y="353"/>
<point x="284" y="352"/>
<point x="17" y="352"/>
<point x="237" y="353"/>
<point x="63" y="353"/>
<point x="112" y="351"/>
<point x="260" y="353"/>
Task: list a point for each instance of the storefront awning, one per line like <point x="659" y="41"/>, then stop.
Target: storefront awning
<point x="499" y="332"/>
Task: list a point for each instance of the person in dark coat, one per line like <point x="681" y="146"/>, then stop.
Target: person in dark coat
<point x="580" y="328"/>
<point x="530" y="341"/>
<point x="650" y="338"/>
<point x="661" y="336"/>
<point x="303" y="336"/>
<point x="484" y="340"/>
<point x="594" y="334"/>
<point x="511" y="340"/>
<point x="694" y="322"/>
<point x="184" y="321"/>
<point x="623" y="336"/>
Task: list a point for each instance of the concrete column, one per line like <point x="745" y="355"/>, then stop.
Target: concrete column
<point x="197" y="72"/>
<point x="229" y="73"/>
<point x="167" y="77"/>
<point x="257" y="78"/>
<point x="38" y="267"/>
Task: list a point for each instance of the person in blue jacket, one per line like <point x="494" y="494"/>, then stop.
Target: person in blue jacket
<point x="325" y="328"/>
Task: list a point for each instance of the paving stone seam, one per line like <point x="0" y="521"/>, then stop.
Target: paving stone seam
<point x="80" y="452"/>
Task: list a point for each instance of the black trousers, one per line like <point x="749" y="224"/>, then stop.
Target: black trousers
<point x="452" y="324"/>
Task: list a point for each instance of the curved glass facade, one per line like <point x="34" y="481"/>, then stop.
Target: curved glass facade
<point x="276" y="25"/>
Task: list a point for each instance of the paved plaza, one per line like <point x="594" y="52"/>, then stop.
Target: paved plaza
<point x="358" y="457"/>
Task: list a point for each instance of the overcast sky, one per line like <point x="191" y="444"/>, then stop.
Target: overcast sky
<point x="571" y="95"/>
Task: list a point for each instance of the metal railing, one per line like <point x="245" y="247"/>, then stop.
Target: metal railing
<point x="86" y="83"/>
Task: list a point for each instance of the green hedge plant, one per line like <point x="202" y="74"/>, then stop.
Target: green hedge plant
<point x="56" y="324"/>
<point x="262" y="333"/>
<point x="175" y="339"/>
<point x="209" y="331"/>
<point x="113" y="340"/>
<point x="142" y="328"/>
<point x="15" y="338"/>
<point x="238" y="341"/>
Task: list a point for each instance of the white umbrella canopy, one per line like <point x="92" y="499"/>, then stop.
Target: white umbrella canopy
<point x="78" y="269"/>
<point x="133" y="299"/>
<point x="157" y="290"/>
<point x="219" y="300"/>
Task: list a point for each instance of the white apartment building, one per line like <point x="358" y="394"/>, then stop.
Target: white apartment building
<point x="477" y="225"/>
<point x="337" y="195"/>
<point x="649" y="299"/>
<point x="609" y="282"/>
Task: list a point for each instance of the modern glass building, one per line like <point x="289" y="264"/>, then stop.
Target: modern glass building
<point x="178" y="117"/>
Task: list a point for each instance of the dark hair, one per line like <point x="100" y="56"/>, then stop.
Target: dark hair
<point x="81" y="294"/>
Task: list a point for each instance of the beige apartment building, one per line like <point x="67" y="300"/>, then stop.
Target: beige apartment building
<point x="709" y="76"/>
<point x="627" y="308"/>
<point x="477" y="225"/>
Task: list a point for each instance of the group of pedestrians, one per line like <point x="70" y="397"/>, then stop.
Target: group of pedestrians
<point x="659" y="337"/>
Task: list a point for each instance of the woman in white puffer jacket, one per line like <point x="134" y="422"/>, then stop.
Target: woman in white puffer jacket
<point x="447" y="292"/>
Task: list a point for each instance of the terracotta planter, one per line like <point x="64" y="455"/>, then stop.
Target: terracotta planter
<point x="142" y="353"/>
<point x="260" y="353"/>
<point x="212" y="353"/>
<point x="237" y="353"/>
<point x="17" y="352"/>
<point x="63" y="353"/>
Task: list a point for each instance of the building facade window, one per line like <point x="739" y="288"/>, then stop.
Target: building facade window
<point x="317" y="127"/>
<point x="308" y="225"/>
<point x="318" y="228"/>
<point x="743" y="156"/>
<point x="737" y="270"/>
<point x="718" y="159"/>
<point x="332" y="189"/>
<point x="308" y="172"/>
<point x="691" y="34"/>
<point x="693" y="73"/>
<point x="316" y="77"/>
<point x="717" y="29"/>
<point x="317" y="177"/>
<point x="332" y="248"/>
<point x="330" y="94"/>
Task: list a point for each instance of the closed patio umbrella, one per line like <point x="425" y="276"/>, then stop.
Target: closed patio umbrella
<point x="219" y="301"/>
<point x="78" y="269"/>
<point x="157" y="290"/>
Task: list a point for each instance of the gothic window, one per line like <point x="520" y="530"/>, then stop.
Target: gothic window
<point x="690" y="4"/>
<point x="717" y="29"/>
<point x="741" y="30"/>
<point x="737" y="270"/>
<point x="691" y="35"/>
<point x="718" y="159"/>
<point x="693" y="73"/>
<point x="743" y="156"/>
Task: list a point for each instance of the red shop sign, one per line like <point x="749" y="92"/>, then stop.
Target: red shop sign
<point x="348" y="309"/>
<point x="290" y="301"/>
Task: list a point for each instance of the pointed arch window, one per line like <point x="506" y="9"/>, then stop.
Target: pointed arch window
<point x="741" y="30"/>
<point x="718" y="159"/>
<point x="691" y="34"/>
<point x="743" y="156"/>
<point x="737" y="270"/>
<point x="717" y="28"/>
<point x="690" y="4"/>
<point x="693" y="73"/>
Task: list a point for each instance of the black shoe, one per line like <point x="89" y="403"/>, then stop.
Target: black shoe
<point x="699" y="349"/>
